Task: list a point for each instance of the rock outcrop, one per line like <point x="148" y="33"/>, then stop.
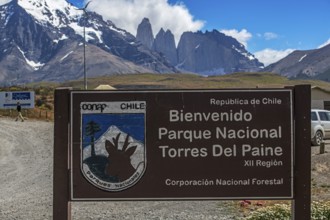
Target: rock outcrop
<point x="213" y="53"/>
<point x="144" y="33"/>
<point x="165" y="44"/>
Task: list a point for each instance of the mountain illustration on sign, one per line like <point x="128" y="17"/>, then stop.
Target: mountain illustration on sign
<point x="112" y="161"/>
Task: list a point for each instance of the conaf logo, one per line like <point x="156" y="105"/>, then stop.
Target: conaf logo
<point x="94" y="107"/>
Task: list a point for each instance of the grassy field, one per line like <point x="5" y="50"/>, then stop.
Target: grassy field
<point x="191" y="81"/>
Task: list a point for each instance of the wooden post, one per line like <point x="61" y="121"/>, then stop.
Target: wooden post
<point x="322" y="147"/>
<point x="61" y="190"/>
<point x="301" y="209"/>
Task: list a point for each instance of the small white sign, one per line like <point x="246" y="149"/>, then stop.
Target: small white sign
<point x="8" y="100"/>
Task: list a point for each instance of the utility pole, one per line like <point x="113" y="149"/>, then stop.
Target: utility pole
<point x="84" y="43"/>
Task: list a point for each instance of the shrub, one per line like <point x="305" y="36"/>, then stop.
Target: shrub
<point x="320" y="211"/>
<point x="277" y="211"/>
<point x="39" y="102"/>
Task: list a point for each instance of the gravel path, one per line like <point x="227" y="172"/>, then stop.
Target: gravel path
<point x="26" y="165"/>
<point x="321" y="173"/>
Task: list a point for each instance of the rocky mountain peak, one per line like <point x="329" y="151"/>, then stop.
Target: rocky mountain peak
<point x="145" y="34"/>
<point x="213" y="52"/>
<point x="161" y="32"/>
<point x="165" y="43"/>
<point x="208" y="53"/>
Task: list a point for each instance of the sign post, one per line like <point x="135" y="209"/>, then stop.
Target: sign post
<point x="302" y="202"/>
<point x="61" y="198"/>
<point x="183" y="145"/>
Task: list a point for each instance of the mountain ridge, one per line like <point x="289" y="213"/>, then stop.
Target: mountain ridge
<point x="42" y="40"/>
<point x="206" y="53"/>
<point x="305" y="64"/>
<point x="34" y="34"/>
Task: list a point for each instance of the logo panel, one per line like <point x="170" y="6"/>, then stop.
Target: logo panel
<point x="113" y="152"/>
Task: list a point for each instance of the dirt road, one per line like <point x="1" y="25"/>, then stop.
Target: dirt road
<point x="26" y="166"/>
<point x="26" y="169"/>
<point x="321" y="173"/>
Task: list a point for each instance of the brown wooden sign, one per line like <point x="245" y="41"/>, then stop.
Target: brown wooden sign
<point x="182" y="144"/>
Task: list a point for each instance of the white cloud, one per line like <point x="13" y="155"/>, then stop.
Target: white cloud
<point x="2" y="2"/>
<point x="128" y="14"/>
<point x="270" y="36"/>
<point x="269" y="56"/>
<point x="242" y="36"/>
<point x="324" y="44"/>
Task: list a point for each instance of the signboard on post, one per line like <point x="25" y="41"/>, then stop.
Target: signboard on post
<point x="8" y="100"/>
<point x="182" y="144"/>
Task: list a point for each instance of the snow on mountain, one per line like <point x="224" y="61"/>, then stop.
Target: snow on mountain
<point x="302" y="58"/>
<point x="5" y="14"/>
<point x="60" y="14"/>
<point x="112" y="132"/>
<point x="55" y="12"/>
<point x="66" y="55"/>
<point x="33" y="64"/>
<point x="244" y="52"/>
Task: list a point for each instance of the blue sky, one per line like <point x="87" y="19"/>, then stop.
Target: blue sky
<point x="270" y="29"/>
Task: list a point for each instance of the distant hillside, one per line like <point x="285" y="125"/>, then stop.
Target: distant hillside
<point x="304" y="64"/>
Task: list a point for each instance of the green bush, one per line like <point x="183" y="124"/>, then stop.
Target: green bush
<point x="277" y="211"/>
<point x="40" y="102"/>
<point x="320" y="211"/>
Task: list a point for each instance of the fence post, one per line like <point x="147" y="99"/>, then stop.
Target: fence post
<point x="322" y="147"/>
<point x="301" y="209"/>
<point x="61" y="177"/>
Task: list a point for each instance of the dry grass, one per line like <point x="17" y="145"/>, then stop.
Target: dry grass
<point x="191" y="81"/>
